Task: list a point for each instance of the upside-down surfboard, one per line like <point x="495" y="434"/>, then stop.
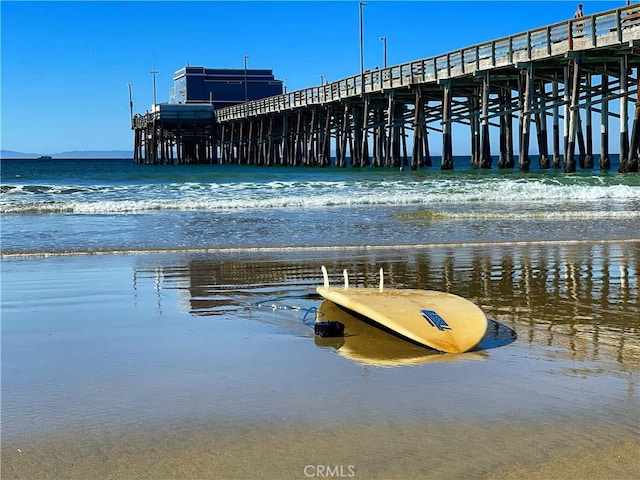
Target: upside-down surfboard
<point x="438" y="320"/>
<point x="369" y="345"/>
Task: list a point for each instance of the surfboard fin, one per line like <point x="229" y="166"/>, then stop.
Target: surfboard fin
<point x="325" y="276"/>
<point x="345" y="273"/>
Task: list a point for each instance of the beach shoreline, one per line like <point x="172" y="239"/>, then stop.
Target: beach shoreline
<point x="315" y="248"/>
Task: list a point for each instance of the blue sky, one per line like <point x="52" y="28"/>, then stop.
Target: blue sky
<point x="66" y="65"/>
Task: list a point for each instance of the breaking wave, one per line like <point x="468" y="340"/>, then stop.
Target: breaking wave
<point x="554" y="194"/>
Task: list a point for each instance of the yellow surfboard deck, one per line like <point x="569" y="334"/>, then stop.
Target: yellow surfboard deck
<point x="438" y="320"/>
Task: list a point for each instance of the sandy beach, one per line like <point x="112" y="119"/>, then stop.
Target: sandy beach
<point x="198" y="365"/>
<point x="395" y="451"/>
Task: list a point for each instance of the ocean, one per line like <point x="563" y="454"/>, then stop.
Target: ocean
<point x="52" y="206"/>
<point x="156" y="323"/>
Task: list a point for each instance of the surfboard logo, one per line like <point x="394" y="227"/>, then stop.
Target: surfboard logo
<point x="435" y="320"/>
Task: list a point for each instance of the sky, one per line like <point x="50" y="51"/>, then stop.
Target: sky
<point x="66" y="66"/>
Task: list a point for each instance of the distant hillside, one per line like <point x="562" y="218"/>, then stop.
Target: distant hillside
<point x="72" y="154"/>
<point x="11" y="154"/>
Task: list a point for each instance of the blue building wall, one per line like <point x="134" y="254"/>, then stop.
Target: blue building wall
<point x="223" y="86"/>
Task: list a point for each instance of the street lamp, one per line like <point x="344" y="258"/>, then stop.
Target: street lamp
<point x="154" y="72"/>
<point x="130" y="99"/>
<point x="362" y="4"/>
<point x="246" y="96"/>
<point x="384" y="50"/>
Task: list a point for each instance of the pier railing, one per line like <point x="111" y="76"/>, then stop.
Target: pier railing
<point x="590" y="32"/>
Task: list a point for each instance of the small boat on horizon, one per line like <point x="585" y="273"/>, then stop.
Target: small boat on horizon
<point x="45" y="157"/>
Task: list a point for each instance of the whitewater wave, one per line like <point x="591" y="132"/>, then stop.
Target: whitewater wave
<point x="140" y="207"/>
<point x="93" y="199"/>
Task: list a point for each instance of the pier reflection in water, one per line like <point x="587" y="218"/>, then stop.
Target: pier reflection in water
<point x="582" y="296"/>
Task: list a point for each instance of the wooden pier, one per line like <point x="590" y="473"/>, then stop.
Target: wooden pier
<point x="533" y="83"/>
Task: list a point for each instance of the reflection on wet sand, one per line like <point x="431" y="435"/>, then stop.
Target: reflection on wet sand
<point x="369" y="345"/>
<point x="581" y="296"/>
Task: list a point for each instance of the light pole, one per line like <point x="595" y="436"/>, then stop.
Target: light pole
<point x="362" y="4"/>
<point x="153" y="72"/>
<point x="246" y="96"/>
<point x="130" y="99"/>
<point x="384" y="50"/>
<point x="321" y="79"/>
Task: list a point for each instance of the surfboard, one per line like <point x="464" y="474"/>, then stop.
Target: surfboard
<point x="434" y="319"/>
<point x="369" y="345"/>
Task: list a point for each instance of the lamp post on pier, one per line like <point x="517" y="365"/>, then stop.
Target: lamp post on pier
<point x="154" y="72"/>
<point x="246" y="96"/>
<point x="362" y="5"/>
<point x="130" y="85"/>
<point x="384" y="50"/>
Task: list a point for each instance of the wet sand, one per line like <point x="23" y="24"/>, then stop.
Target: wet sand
<point x="396" y="451"/>
<point x="198" y="365"/>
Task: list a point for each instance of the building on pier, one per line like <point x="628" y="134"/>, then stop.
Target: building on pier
<point x="222" y="87"/>
<point x="183" y="130"/>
